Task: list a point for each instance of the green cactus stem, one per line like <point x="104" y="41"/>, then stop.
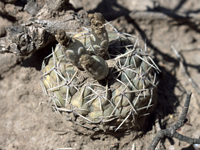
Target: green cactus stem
<point x="99" y="36"/>
<point x="111" y="88"/>
<point x="72" y="47"/>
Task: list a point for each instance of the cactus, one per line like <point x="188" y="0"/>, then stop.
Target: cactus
<point x="101" y="77"/>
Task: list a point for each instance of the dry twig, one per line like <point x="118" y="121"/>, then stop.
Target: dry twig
<point x="171" y="131"/>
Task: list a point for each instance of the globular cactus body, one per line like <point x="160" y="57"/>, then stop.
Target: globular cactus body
<point x="112" y="83"/>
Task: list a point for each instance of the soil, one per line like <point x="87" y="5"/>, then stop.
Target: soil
<point x="27" y="120"/>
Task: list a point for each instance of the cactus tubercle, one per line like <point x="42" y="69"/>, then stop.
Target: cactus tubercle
<point x="95" y="66"/>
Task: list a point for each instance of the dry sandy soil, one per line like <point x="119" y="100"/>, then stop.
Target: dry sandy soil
<point x="27" y="120"/>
